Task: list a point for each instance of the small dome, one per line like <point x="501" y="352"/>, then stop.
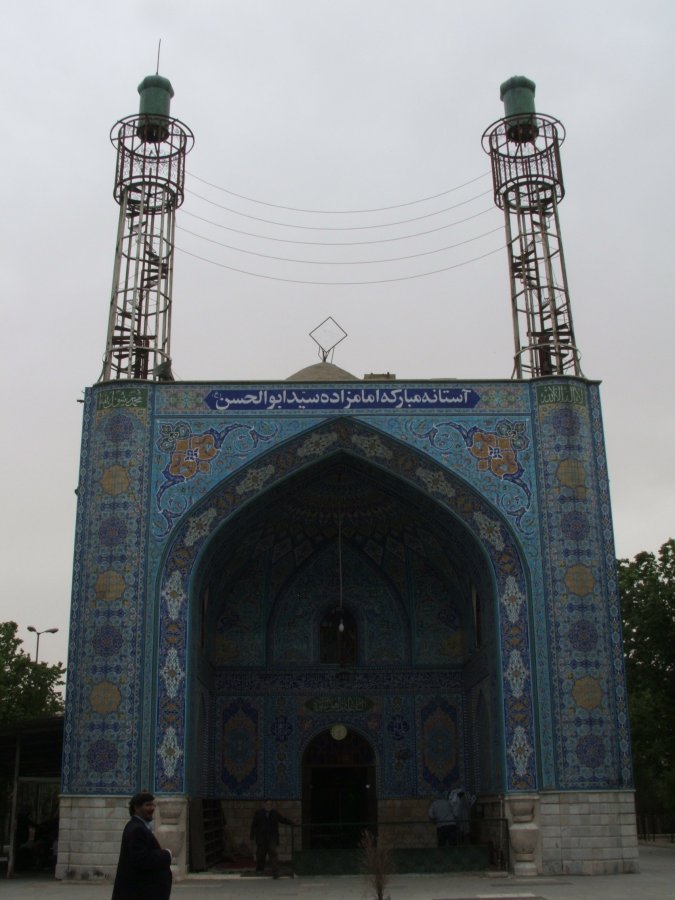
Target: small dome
<point x="323" y="371"/>
<point x="155" y="82"/>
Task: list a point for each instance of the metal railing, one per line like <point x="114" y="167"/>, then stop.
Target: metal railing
<point x="412" y="845"/>
<point x="656" y="826"/>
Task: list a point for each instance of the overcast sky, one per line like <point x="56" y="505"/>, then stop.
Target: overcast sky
<point x="329" y="105"/>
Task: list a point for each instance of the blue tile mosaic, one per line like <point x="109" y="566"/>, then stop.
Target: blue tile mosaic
<point x="487" y="617"/>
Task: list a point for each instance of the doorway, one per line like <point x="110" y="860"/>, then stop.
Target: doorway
<point x="339" y="791"/>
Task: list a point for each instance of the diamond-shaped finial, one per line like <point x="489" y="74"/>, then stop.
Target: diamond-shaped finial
<point x="327" y="336"/>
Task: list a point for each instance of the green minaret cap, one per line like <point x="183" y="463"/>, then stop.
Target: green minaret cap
<point x="518" y="96"/>
<point x="156" y="93"/>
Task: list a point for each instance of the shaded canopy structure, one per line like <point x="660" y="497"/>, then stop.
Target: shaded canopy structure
<point x="30" y="775"/>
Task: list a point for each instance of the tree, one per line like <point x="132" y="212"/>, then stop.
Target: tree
<point x="647" y="587"/>
<point x="27" y="689"/>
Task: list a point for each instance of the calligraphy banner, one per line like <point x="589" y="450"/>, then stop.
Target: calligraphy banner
<point x="353" y="398"/>
<point x="122" y="398"/>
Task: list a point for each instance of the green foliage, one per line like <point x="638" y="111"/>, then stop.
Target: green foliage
<point x="647" y="587"/>
<point x="27" y="689"/>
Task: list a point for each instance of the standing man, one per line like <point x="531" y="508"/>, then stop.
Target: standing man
<point x="265" y="833"/>
<point x="144" y="869"/>
<point x="443" y="817"/>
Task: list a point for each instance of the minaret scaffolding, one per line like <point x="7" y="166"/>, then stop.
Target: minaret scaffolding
<point x="524" y="148"/>
<point x="150" y="174"/>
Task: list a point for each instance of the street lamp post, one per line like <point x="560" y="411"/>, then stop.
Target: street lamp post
<point x="37" y="637"/>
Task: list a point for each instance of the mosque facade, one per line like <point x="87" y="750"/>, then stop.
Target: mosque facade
<point x="348" y="595"/>
<point x="338" y="590"/>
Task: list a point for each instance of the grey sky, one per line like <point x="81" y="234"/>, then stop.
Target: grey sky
<point x="335" y="106"/>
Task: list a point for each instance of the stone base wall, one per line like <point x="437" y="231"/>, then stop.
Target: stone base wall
<point x="588" y="833"/>
<point x="415" y="829"/>
<point x="551" y="833"/>
<point x="90" y="831"/>
<point x="567" y="833"/>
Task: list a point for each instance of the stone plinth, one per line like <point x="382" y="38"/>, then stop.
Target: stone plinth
<point x="588" y="833"/>
<point x="90" y="830"/>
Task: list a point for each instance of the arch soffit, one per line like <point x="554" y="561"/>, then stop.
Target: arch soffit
<point x="367" y="495"/>
<point x="328" y="550"/>
<point x="491" y="532"/>
<point x="280" y="603"/>
<point x="409" y="472"/>
<point x="460" y="543"/>
<point x="477" y="523"/>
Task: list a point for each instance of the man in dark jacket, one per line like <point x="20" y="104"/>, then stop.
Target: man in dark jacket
<point x="265" y="833"/>
<point x="144" y="869"/>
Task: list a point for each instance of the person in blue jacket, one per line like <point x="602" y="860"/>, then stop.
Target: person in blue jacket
<point x="442" y="815"/>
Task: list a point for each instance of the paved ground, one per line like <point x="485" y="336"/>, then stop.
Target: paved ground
<point x="656" y="881"/>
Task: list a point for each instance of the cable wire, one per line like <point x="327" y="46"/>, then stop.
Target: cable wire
<point x="338" y="212"/>
<point x="466" y="262"/>
<point x="337" y="227"/>
<point x="403" y="237"/>
<point x="346" y="262"/>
